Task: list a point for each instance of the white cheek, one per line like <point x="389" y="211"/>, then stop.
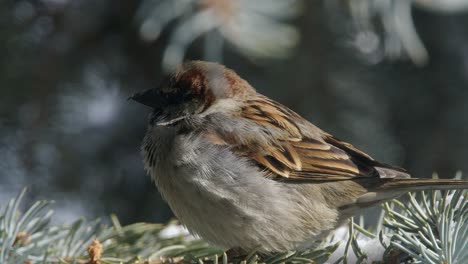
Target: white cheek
<point x="227" y="105"/>
<point x="218" y="83"/>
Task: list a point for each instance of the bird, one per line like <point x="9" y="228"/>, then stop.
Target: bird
<point x="241" y="170"/>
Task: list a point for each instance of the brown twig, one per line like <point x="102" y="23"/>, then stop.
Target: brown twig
<point x="94" y="252"/>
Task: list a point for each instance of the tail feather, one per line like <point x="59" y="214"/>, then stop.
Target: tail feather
<point x="393" y="188"/>
<point x="418" y="184"/>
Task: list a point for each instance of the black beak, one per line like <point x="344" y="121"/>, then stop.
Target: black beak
<point x="148" y="97"/>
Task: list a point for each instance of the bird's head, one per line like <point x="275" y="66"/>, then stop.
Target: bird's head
<point x="194" y="88"/>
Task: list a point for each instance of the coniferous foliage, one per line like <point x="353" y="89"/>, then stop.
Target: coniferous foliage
<point x="68" y="133"/>
<point x="429" y="229"/>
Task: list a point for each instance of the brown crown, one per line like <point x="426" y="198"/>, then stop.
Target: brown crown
<point x="210" y="81"/>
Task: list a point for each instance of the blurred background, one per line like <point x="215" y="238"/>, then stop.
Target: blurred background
<point x="390" y="76"/>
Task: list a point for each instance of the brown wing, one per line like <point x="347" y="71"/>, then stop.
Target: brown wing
<point x="300" y="150"/>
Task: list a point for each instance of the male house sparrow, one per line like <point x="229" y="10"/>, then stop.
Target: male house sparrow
<point x="243" y="171"/>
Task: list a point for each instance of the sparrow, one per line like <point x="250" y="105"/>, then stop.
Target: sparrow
<point x="243" y="171"/>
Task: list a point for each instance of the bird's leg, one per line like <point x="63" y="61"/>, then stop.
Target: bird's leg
<point x="236" y="253"/>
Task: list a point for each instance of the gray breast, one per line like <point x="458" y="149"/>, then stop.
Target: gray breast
<point x="224" y="198"/>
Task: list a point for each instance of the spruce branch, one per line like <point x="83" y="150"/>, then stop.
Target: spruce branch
<point x="431" y="227"/>
<point x="25" y="236"/>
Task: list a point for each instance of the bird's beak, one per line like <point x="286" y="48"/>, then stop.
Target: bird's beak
<point x="148" y="97"/>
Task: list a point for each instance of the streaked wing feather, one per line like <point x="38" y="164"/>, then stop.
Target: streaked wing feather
<point x="296" y="155"/>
